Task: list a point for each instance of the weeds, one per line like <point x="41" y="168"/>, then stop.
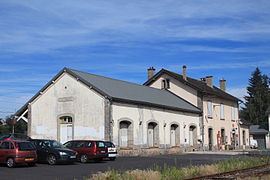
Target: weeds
<point x="174" y="173"/>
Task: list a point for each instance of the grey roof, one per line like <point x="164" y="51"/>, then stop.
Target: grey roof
<point x="257" y="129"/>
<point x="122" y="91"/>
<point x="194" y="83"/>
<point x="126" y="91"/>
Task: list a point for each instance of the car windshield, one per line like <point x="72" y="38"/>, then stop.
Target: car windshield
<point x="52" y="144"/>
<point x="26" y="146"/>
<point x="109" y="144"/>
<point x="4" y="137"/>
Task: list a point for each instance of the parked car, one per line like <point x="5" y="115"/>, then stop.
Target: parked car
<point x="15" y="152"/>
<point x="112" y="151"/>
<point x="53" y="152"/>
<point x="15" y="136"/>
<point x="88" y="149"/>
<point x="253" y="144"/>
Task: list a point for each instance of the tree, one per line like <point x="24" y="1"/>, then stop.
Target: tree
<point x="258" y="99"/>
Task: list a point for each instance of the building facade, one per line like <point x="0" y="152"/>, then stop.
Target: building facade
<point x="78" y="105"/>
<point x="219" y="124"/>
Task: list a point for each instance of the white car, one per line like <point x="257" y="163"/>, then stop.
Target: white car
<point x="112" y="151"/>
<point x="253" y="144"/>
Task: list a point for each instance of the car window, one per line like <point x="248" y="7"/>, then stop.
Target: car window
<point x="100" y="144"/>
<point x="4" y="137"/>
<point x="78" y="144"/>
<point x="68" y="144"/>
<point x="55" y="144"/>
<point x="26" y="146"/>
<point x="4" y="145"/>
<point x="109" y="144"/>
<point x="89" y="144"/>
<point x="12" y="146"/>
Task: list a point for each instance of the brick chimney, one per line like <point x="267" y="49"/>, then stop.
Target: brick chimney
<point x="209" y="81"/>
<point x="222" y="84"/>
<point x="151" y="72"/>
<point x="185" y="72"/>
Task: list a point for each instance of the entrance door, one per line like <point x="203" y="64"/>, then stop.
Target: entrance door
<point x="123" y="134"/>
<point x="173" y="134"/>
<point x="66" y="132"/>
<point x="150" y="135"/>
<point x="210" y="138"/>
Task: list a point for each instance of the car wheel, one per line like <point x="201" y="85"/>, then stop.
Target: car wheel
<point x="84" y="159"/>
<point x="51" y="159"/>
<point x="31" y="164"/>
<point x="112" y="158"/>
<point x="10" y="162"/>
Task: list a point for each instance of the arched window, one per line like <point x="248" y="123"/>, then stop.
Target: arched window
<point x="152" y="134"/>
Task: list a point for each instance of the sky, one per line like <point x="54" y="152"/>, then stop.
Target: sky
<point x="122" y="39"/>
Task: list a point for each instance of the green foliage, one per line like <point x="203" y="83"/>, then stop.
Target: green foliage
<point x="257" y="100"/>
<point x="19" y="126"/>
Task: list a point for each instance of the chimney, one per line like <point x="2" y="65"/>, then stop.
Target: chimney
<point x="222" y="84"/>
<point x="185" y="72"/>
<point x="209" y="81"/>
<point x="202" y="79"/>
<point x="151" y="72"/>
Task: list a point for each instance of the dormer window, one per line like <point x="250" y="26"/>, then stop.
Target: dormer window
<point x="165" y="84"/>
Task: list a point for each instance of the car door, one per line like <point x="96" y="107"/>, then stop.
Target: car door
<point x="4" y="150"/>
<point x="89" y="149"/>
<point x="42" y="151"/>
<point x="78" y="146"/>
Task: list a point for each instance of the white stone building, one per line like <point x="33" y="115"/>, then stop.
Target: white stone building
<point x="79" y="105"/>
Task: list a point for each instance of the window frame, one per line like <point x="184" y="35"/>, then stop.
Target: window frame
<point x="209" y="109"/>
<point x="222" y="111"/>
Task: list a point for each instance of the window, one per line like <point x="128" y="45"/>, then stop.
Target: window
<point x="222" y="111"/>
<point x="209" y="108"/>
<point x="233" y="113"/>
<point x="89" y="144"/>
<point x="4" y="145"/>
<point x="26" y="146"/>
<point x="165" y="84"/>
<point x="78" y="144"/>
<point x="101" y="144"/>
<point x="65" y="120"/>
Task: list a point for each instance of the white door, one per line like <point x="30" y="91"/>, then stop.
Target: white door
<point x="172" y="136"/>
<point x="65" y="132"/>
<point x="150" y="135"/>
<point x="123" y="135"/>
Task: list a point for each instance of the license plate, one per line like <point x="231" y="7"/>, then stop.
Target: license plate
<point x="102" y="151"/>
<point x="72" y="157"/>
<point x="29" y="159"/>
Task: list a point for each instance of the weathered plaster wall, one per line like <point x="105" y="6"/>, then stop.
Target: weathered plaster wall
<point x="216" y="122"/>
<point x="140" y="116"/>
<point x="178" y="88"/>
<point x="67" y="96"/>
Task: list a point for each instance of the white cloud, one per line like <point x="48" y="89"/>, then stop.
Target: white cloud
<point x="38" y="26"/>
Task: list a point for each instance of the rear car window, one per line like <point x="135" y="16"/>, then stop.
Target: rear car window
<point x="26" y="146"/>
<point x="109" y="144"/>
<point x="100" y="144"/>
<point x="4" y="137"/>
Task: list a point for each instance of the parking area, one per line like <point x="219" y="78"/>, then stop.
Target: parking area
<point x="80" y="171"/>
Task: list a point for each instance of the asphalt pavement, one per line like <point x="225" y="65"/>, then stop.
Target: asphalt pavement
<point x="80" y="171"/>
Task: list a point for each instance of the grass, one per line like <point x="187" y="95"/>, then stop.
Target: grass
<point x="175" y="173"/>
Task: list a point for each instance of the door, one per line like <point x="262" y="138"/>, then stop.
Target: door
<point x="65" y="132"/>
<point x="173" y="134"/>
<point x="150" y="135"/>
<point x="191" y="138"/>
<point x="123" y="134"/>
<point x="210" y="138"/>
<point x="4" y="149"/>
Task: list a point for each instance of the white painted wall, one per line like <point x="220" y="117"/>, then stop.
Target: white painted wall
<point x="121" y="111"/>
<point x="67" y="96"/>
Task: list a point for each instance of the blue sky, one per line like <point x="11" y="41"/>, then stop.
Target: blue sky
<point x="121" y="39"/>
